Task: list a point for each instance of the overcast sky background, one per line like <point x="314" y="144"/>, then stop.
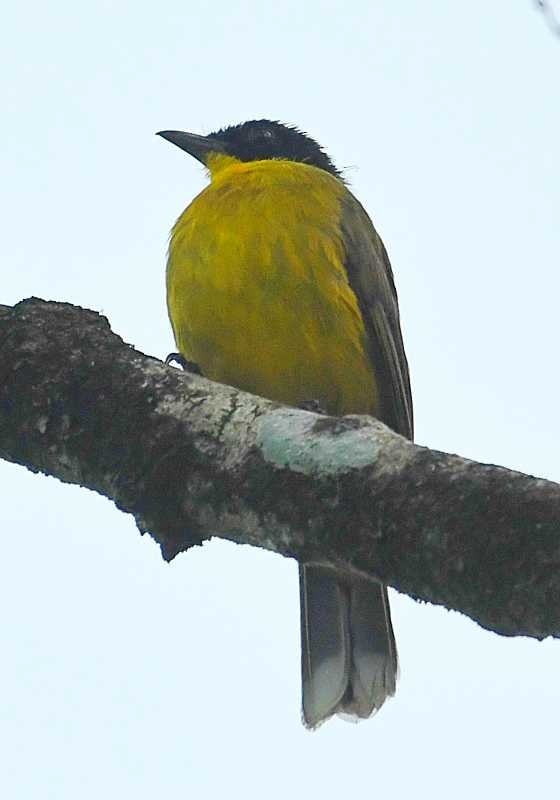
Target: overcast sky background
<point x="123" y="676"/>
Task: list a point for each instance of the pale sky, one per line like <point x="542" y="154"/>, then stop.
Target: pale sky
<point x="123" y="676"/>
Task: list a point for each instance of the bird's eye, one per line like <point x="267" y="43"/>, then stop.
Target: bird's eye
<point x="261" y="137"/>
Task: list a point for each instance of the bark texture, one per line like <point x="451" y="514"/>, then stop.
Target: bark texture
<point x="191" y="459"/>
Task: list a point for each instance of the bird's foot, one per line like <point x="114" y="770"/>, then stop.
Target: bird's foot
<point x="188" y="366"/>
<point x="312" y="405"/>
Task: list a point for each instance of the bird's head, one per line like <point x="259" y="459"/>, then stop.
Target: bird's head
<point x="257" y="140"/>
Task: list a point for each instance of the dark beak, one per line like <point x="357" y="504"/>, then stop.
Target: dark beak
<point x="198" y="146"/>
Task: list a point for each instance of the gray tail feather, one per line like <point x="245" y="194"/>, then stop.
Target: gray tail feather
<point x="348" y="650"/>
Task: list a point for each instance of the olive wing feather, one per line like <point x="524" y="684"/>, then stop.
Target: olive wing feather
<point x="371" y="278"/>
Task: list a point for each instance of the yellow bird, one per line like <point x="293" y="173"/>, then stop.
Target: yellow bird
<point x="278" y="284"/>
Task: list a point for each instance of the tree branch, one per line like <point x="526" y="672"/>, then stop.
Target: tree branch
<point x="192" y="459"/>
<point x="549" y="15"/>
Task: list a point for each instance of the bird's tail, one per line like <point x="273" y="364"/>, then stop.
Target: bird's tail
<point x="348" y="650"/>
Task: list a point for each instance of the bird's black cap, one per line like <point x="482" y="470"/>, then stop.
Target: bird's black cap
<point x="256" y="140"/>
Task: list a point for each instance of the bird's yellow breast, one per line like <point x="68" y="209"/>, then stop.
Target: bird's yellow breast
<point x="257" y="292"/>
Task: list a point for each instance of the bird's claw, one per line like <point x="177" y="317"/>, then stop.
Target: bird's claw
<point x="312" y="405"/>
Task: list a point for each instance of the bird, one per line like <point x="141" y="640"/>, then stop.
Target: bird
<point x="278" y="284"/>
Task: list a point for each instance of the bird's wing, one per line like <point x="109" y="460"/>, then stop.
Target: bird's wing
<point x="371" y="278"/>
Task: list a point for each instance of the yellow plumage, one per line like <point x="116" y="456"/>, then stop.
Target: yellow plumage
<point x="257" y="291"/>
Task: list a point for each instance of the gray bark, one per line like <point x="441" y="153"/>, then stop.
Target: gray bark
<point x="191" y="459"/>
